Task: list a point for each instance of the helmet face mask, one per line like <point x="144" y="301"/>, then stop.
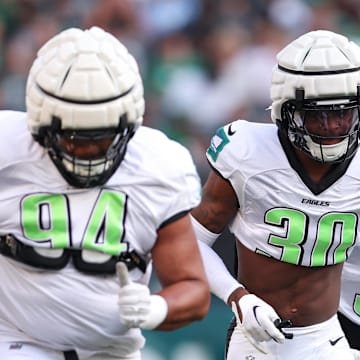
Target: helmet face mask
<point x="325" y="129"/>
<point x="85" y="168"/>
<point x="84" y="92"/>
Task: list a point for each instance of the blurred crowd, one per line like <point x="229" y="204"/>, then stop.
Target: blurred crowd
<point x="204" y="62"/>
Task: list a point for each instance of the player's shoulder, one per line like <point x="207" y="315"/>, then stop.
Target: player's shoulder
<point x="155" y="151"/>
<point x="12" y="121"/>
<point x="157" y="142"/>
<point x="245" y="129"/>
<point x="242" y="126"/>
<point x="354" y="166"/>
<point x="17" y="146"/>
<point x="240" y="139"/>
<point x="14" y="130"/>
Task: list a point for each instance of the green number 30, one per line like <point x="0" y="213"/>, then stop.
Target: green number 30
<point x="296" y="224"/>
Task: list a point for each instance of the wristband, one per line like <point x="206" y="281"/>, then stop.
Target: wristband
<point x="158" y="312"/>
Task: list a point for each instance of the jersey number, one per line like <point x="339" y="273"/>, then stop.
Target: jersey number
<point x="46" y="218"/>
<point x="296" y="224"/>
<point x="356" y="306"/>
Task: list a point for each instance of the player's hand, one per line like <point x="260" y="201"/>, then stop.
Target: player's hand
<point x="137" y="307"/>
<point x="258" y="319"/>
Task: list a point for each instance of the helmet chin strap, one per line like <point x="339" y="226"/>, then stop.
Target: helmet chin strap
<point x="87" y="167"/>
<point x="327" y="153"/>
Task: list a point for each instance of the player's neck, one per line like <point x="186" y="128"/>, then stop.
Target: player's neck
<point x="314" y="169"/>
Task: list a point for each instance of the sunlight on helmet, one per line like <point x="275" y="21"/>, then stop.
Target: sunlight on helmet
<point x="84" y="82"/>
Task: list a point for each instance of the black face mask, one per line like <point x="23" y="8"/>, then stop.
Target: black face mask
<point x="86" y="172"/>
<point x="325" y="129"/>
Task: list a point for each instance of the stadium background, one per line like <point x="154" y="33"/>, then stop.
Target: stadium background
<point x="204" y="63"/>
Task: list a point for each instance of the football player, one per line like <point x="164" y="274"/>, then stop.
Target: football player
<point x="288" y="192"/>
<point x="85" y="189"/>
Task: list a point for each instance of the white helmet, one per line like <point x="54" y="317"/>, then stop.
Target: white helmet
<point x="84" y="85"/>
<point x="318" y="73"/>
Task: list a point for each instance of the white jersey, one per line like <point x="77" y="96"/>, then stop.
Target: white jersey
<point x="282" y="214"/>
<point x="155" y="182"/>
<point x="350" y="287"/>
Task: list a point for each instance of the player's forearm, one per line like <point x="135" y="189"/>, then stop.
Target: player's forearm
<point x="188" y="301"/>
<point x="221" y="282"/>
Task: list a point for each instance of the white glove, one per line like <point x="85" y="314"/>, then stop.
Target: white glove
<point x="258" y="321"/>
<point x="137" y="307"/>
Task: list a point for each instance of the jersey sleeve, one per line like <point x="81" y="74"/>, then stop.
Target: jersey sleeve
<point x="229" y="154"/>
<point x="227" y="148"/>
<point x="169" y="167"/>
<point x="185" y="187"/>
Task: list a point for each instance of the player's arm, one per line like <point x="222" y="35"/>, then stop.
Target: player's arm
<point x="217" y="208"/>
<point x="218" y="204"/>
<point x="185" y="293"/>
<point x="179" y="268"/>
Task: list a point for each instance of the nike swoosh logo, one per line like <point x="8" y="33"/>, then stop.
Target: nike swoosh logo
<point x="231" y="131"/>
<point x="334" y="342"/>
